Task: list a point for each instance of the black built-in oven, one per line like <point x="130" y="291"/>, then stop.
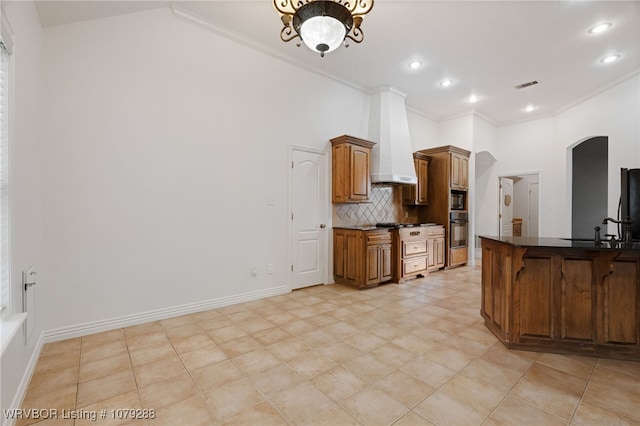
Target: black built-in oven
<point x="459" y="229"/>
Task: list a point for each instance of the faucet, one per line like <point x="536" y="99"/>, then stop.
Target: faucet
<point x="626" y="229"/>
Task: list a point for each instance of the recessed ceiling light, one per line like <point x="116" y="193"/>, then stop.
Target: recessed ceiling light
<point x="610" y="58"/>
<point x="415" y="65"/>
<point x="600" y="28"/>
<point x="446" y="83"/>
<point x="473" y="99"/>
<point x="529" y="108"/>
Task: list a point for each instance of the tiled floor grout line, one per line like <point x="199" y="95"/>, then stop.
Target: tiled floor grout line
<point x="420" y="314"/>
<point x="584" y="389"/>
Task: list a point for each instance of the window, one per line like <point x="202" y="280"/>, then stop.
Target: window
<point x="6" y="45"/>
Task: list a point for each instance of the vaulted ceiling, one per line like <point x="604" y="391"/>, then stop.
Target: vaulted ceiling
<point x="486" y="48"/>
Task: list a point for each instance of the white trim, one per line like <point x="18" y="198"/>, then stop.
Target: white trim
<point x="6" y="33"/>
<point x="63" y="333"/>
<point x="604" y="88"/>
<point x="8" y="329"/>
<point x="246" y="41"/>
<point x="155" y="315"/>
<point x="26" y="378"/>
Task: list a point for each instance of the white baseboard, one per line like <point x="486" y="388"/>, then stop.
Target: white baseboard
<point x="24" y="383"/>
<point x="49" y="336"/>
<point x="158" y="314"/>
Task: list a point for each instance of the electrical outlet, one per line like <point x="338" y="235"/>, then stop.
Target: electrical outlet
<point x="254" y="270"/>
<point x="269" y="268"/>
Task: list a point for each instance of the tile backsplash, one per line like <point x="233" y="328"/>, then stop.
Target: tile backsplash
<point x="385" y="206"/>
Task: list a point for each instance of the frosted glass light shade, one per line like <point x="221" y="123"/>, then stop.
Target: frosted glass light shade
<point x="322" y="33"/>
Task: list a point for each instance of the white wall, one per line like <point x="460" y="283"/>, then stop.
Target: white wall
<point x="614" y="113"/>
<point x="422" y="130"/>
<point x="163" y="147"/>
<point x="26" y="164"/>
<point x="543" y="145"/>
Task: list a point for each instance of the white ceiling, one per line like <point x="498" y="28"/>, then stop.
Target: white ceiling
<point x="485" y="47"/>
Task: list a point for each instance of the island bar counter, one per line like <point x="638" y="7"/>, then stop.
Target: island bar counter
<point x="562" y="296"/>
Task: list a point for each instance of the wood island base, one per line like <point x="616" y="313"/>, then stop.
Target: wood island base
<point x="554" y="295"/>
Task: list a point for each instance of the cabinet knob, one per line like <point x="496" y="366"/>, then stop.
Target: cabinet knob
<point x="322" y="226"/>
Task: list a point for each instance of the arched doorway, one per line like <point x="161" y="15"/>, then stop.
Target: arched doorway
<point x="589" y="186"/>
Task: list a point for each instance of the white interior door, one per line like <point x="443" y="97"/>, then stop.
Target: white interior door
<point x="532" y="230"/>
<point x="308" y="219"/>
<point x="506" y="207"/>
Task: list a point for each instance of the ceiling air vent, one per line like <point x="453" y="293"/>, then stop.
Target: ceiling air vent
<point x="523" y="85"/>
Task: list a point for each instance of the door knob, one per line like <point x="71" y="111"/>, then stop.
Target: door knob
<point x="322" y="226"/>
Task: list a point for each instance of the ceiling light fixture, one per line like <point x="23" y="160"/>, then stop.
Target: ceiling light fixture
<point x="446" y="83"/>
<point x="322" y="24"/>
<point x="415" y="65"/>
<point x="473" y="99"/>
<point x="600" y="28"/>
<point x="610" y="58"/>
<point x="529" y="108"/>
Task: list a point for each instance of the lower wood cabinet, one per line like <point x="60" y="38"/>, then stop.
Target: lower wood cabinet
<point x="435" y="248"/>
<point x="361" y="258"/>
<point x="409" y="253"/>
<point x="583" y="302"/>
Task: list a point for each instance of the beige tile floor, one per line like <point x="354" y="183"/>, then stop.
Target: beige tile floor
<point x="410" y="354"/>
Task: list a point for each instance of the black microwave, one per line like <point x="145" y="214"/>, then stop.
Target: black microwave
<point x="458" y="200"/>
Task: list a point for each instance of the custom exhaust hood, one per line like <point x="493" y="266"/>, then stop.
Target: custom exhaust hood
<point x="392" y="156"/>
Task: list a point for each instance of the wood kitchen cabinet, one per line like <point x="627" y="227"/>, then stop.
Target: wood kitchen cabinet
<point x="418" y="194"/>
<point x="361" y="258"/>
<point x="351" y="169"/>
<point x="563" y="300"/>
<point x="459" y="170"/>
<point x="448" y="176"/>
<point x="435" y="248"/>
<point x="410" y="253"/>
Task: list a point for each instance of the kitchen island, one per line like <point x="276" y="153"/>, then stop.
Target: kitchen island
<point x="562" y="296"/>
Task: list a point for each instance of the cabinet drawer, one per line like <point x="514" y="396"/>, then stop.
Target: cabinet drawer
<point x="435" y="231"/>
<point x="410" y="248"/>
<point x="458" y="255"/>
<point x="414" y="266"/>
<point x="375" y="238"/>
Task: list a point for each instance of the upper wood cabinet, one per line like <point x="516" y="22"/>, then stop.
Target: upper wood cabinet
<point x="418" y="194"/>
<point x="351" y="169"/>
<point x="459" y="170"/>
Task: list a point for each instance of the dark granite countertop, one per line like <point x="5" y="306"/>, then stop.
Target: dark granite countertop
<point x="533" y="242"/>
<point x="374" y="227"/>
<point x="360" y="228"/>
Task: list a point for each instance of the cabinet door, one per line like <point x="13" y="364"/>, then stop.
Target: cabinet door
<point x="577" y="298"/>
<point x="385" y="262"/>
<point x="422" y="171"/>
<point x="431" y="254"/>
<point x="621" y="307"/>
<point x="353" y="258"/>
<point x="455" y="170"/>
<point x="360" y="180"/>
<point x="339" y="254"/>
<point x="440" y="250"/>
<point x="464" y="172"/>
<point x="373" y="265"/>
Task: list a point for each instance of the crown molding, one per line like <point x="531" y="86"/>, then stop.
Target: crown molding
<point x="253" y="44"/>
<point x="604" y="88"/>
